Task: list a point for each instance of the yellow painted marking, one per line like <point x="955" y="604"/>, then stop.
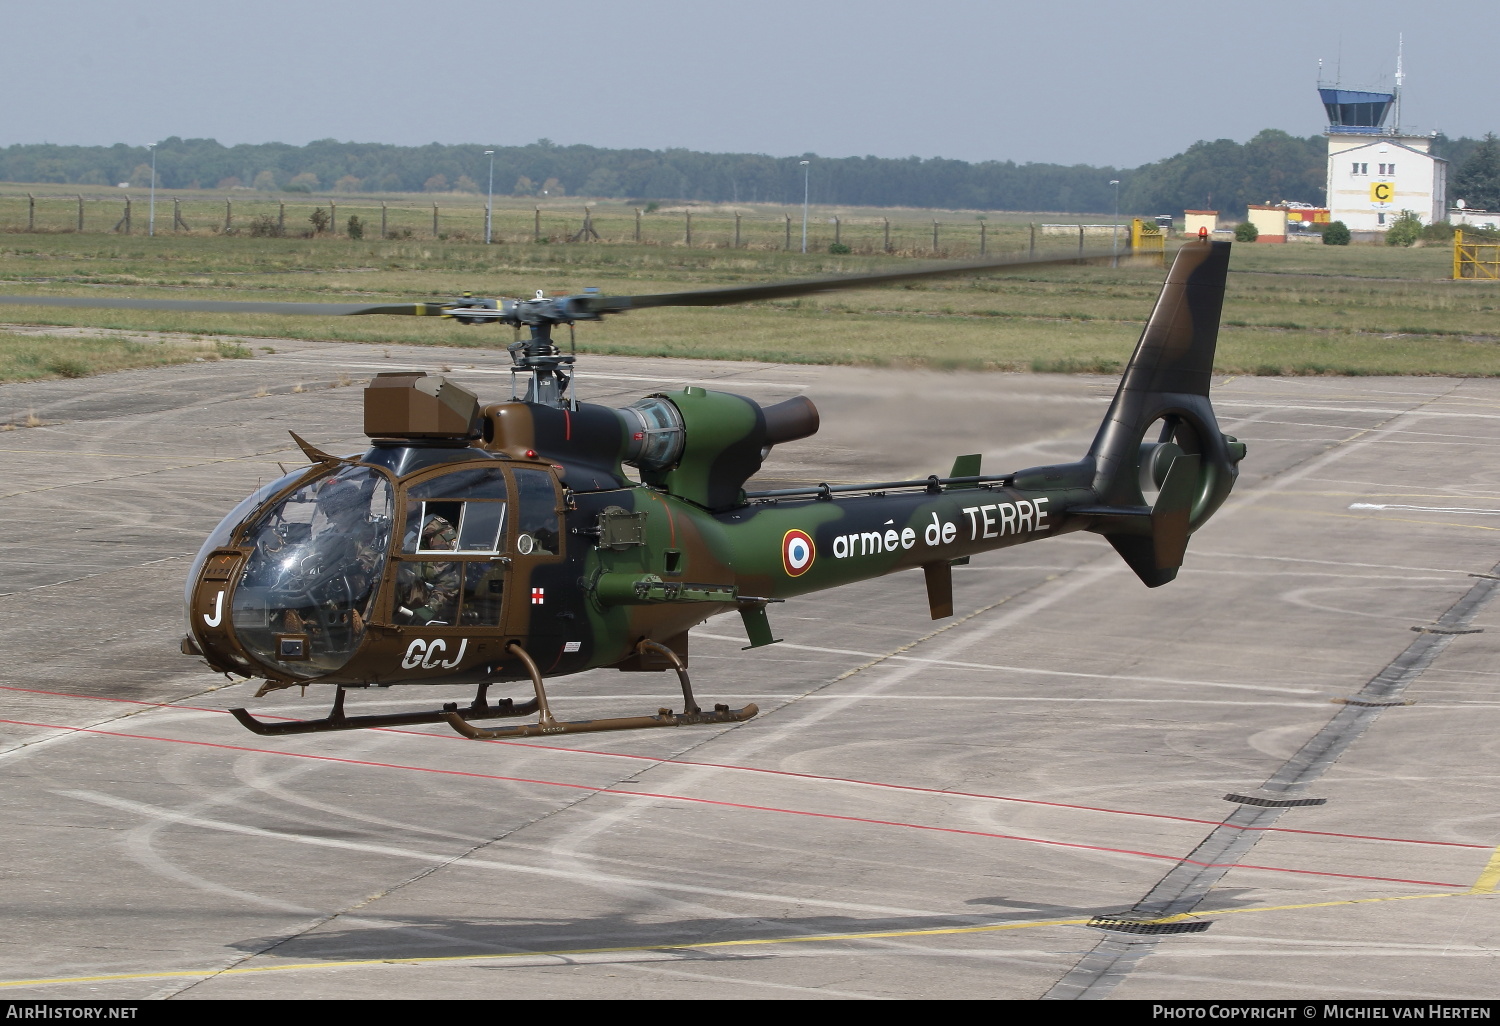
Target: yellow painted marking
<point x="1490" y="877"/>
<point x="420" y="309"/>
<point x="1489" y="880"/>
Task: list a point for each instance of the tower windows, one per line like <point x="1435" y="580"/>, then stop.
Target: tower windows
<point x="1387" y="169"/>
<point x="1360" y="169"/>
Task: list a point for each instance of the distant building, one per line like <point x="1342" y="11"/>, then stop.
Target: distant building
<point x="1195" y="219"/>
<point x="1270" y="222"/>
<point x="1375" y="174"/>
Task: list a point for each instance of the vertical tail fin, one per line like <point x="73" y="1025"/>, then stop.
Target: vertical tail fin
<point x="1166" y="386"/>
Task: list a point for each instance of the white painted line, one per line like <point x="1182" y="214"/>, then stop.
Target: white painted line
<point x="1427" y="509"/>
<point x="1023" y="669"/>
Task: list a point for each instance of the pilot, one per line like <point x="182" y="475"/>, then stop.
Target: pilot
<point x="344" y="552"/>
<point x="428" y="590"/>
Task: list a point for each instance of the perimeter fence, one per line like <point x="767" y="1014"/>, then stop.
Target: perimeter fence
<point x="461" y="218"/>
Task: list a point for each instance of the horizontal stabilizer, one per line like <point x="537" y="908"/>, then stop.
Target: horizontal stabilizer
<point x="1152" y="541"/>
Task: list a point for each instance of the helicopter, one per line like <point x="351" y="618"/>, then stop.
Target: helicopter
<point x="484" y="544"/>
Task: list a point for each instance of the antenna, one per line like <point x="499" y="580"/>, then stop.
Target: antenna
<point x="1400" y="77"/>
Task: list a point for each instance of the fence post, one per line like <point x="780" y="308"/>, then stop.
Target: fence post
<point x="176" y="213"/>
<point x="124" y="221"/>
<point x="383" y="233"/>
<point x="788" y="232"/>
<point x="981" y="239"/>
<point x="637" y="226"/>
<point x="30" y="212"/>
<point x="934" y="238"/>
<point x="536" y="226"/>
<point x="333" y="218"/>
<point x="1080" y="243"/>
<point x="887" y="221"/>
<point x="1031" y="249"/>
<point x="689" y="229"/>
<point x="434" y="221"/>
<point x="838" y="236"/>
<point x="736" y="230"/>
<point x="281" y="217"/>
<point x="80" y="213"/>
<point x="228" y="215"/>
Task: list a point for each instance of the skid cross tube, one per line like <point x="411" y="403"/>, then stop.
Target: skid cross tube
<point x="547" y="726"/>
<point x="336" y="720"/>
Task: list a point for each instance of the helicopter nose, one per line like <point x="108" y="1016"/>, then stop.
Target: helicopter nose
<point x="210" y="618"/>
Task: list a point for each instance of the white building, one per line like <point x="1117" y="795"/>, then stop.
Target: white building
<point x="1374" y="173"/>
<point x="1371" y="180"/>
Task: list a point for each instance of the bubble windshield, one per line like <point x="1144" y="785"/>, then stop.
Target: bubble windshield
<point x="311" y="581"/>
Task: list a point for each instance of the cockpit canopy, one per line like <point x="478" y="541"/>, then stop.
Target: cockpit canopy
<point x="325" y="553"/>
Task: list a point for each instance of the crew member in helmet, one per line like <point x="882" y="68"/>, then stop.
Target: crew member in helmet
<point x="427" y="590"/>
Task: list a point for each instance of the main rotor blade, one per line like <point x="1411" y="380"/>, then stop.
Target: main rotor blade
<point x="226" y="306"/>
<point x="811" y="286"/>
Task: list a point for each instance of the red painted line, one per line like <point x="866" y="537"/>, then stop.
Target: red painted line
<point x="828" y="779"/>
<point x="721" y="804"/>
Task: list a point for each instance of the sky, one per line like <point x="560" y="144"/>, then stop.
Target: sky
<point x="1101" y="82"/>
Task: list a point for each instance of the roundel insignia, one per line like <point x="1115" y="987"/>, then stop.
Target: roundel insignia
<point x="797" y="553"/>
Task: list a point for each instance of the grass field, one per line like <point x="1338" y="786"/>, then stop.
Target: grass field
<point x="1293" y="309"/>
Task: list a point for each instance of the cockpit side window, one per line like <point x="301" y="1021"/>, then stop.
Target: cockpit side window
<point x="443" y="525"/>
<point x="462" y="511"/>
<point x="537" y="527"/>
<point x="455" y="528"/>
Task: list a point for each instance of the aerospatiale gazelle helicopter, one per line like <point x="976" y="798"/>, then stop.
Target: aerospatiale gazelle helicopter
<point x="485" y="544"/>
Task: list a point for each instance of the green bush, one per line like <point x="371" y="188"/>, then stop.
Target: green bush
<point x="320" y="220"/>
<point x="356" y="228"/>
<point x="266" y="226"/>
<point x="1246" y="232"/>
<point x="1438" y="231"/>
<point x="839" y="249"/>
<point x="1336" y="234"/>
<point x="1405" y="230"/>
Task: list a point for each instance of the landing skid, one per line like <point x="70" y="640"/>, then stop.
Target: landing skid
<point x="336" y="720"/>
<point x="547" y="726"/>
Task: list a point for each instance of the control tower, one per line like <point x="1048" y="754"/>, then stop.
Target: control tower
<point x="1375" y="173"/>
<point x="1352" y="112"/>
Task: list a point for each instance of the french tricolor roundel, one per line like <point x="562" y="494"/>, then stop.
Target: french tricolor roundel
<point x="797" y="553"/>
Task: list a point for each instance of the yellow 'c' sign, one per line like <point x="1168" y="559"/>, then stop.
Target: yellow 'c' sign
<point x="1382" y="192"/>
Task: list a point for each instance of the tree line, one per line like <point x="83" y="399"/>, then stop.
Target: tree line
<point x="1222" y="174"/>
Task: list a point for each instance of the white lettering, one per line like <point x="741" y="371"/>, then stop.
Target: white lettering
<point x="1023" y="515"/>
<point x="869" y="542"/>
<point x="841" y="547"/>
<point x="970" y="512"/>
<point x="934" y="532"/>
<point x="435" y="647"/>
<point x="908" y="537"/>
<point x="218" y="617"/>
<point x="413" y="657"/>
<point x="892" y="539"/>
<point x="1007" y="518"/>
<point x="950" y="531"/>
<point x="462" y="646"/>
<point x="989" y="521"/>
<point x="1041" y="514"/>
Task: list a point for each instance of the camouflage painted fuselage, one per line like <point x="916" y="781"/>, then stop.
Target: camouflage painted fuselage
<point x="555" y="549"/>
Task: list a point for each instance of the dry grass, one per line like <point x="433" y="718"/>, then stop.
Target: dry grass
<point x="34" y="357"/>
<point x="1290" y="309"/>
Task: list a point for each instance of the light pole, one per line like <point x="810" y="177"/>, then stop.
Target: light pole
<point x="1114" y="230"/>
<point x="151" y="219"/>
<point x="806" y="170"/>
<point x="489" y="206"/>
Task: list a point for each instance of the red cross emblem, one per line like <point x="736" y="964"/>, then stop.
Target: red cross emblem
<point x="538" y="596"/>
